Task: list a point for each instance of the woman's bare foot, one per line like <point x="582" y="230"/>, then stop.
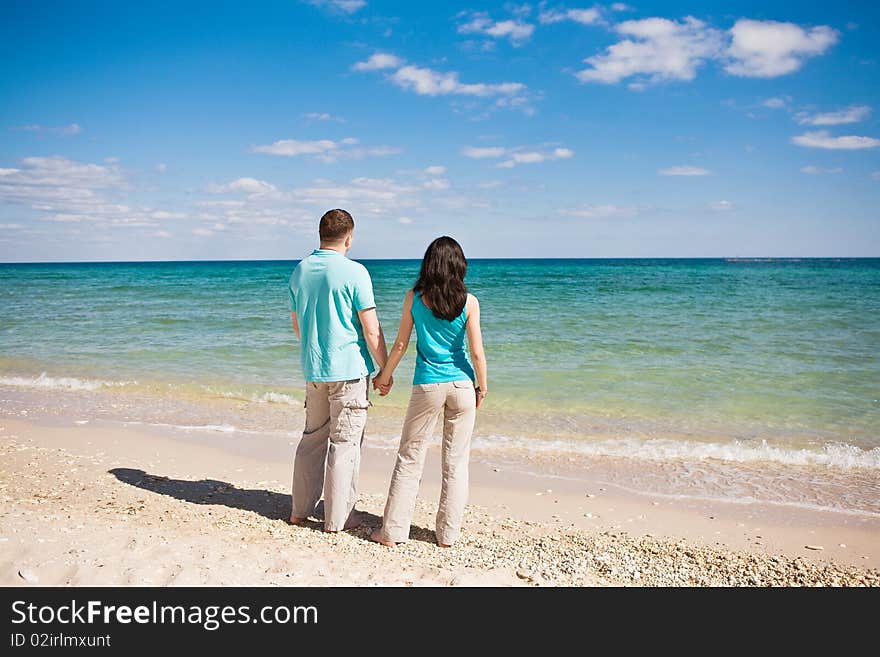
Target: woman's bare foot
<point x="376" y="537"/>
<point x="444" y="545"/>
<point x="294" y="520"/>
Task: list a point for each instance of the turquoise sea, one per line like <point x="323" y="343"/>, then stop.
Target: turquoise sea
<point x="751" y="364"/>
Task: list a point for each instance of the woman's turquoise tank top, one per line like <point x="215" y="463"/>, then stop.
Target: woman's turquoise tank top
<point x="440" y="346"/>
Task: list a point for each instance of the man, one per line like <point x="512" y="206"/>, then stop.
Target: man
<point x="334" y="316"/>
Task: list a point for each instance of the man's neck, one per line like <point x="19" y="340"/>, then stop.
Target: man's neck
<point x="339" y="248"/>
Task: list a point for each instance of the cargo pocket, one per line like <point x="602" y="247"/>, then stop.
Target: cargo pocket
<point x="352" y="420"/>
<point x="464" y="384"/>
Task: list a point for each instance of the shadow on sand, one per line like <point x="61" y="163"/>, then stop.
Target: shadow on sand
<point x="271" y="505"/>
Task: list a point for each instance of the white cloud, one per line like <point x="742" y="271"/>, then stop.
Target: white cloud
<point x="220" y="204"/>
<point x="437" y="184"/>
<point x="405" y="221"/>
<point x="435" y="170"/>
<point x="164" y="234"/>
<point x="343" y="6"/>
<point x="294" y="147"/>
<point x="323" y="116"/>
<point x="721" y="206"/>
<point x="775" y="103"/>
<point x="684" y="170"/>
<point x="816" y="171"/>
<point x="851" y="114"/>
<point x="767" y="49"/>
<point x="482" y="152"/>
<point x="202" y="232"/>
<point x="583" y="16"/>
<point x="325" y="150"/>
<point x="601" y="211"/>
<point x="162" y="215"/>
<point x="428" y="82"/>
<point x="161" y="167"/>
<point x="361" y="188"/>
<point x="514" y="30"/>
<point x="517" y="156"/>
<point x="535" y="157"/>
<point x="11" y="226"/>
<point x="619" y="6"/>
<point x="62" y="130"/>
<point x="823" y="139"/>
<point x="658" y="49"/>
<point x="379" y="61"/>
<point x="57" y="180"/>
<point x="247" y="185"/>
<point x="68" y="192"/>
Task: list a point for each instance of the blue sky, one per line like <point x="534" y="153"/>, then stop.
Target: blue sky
<point x="223" y="130"/>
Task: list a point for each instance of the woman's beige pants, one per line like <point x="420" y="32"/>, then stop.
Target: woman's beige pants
<point x="457" y="402"/>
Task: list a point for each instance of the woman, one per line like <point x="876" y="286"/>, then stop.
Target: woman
<point x="442" y="313"/>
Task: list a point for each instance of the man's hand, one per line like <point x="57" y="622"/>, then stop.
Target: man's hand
<point x="383" y="384"/>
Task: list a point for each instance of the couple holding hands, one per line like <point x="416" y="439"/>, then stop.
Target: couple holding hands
<point x="334" y="316"/>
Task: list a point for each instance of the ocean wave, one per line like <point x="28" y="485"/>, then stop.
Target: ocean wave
<point x="215" y="428"/>
<point x="839" y="455"/>
<point x="750" y="499"/>
<point x="264" y="398"/>
<point x="60" y="382"/>
<point x="276" y="398"/>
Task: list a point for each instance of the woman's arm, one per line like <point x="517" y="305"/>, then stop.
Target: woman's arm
<point x="401" y="343"/>
<point x="475" y="346"/>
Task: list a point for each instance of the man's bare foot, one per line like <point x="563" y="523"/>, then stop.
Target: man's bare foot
<point x="294" y="520"/>
<point x="444" y="545"/>
<point x="376" y="537"/>
<point x="354" y="521"/>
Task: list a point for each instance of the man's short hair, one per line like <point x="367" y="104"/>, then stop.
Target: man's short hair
<point x="335" y="225"/>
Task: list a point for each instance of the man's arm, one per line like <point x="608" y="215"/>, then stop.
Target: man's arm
<point x="373" y="335"/>
<point x="295" y="325"/>
<point x="384" y="379"/>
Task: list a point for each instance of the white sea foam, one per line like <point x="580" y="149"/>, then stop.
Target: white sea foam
<point x="277" y="398"/>
<point x="217" y="428"/>
<point x="59" y="382"/>
<point x="839" y="455"/>
<point x="265" y="398"/>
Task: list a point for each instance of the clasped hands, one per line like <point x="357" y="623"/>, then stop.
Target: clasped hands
<point x="383" y="383"/>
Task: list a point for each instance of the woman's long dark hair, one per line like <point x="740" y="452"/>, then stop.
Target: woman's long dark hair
<point x="441" y="279"/>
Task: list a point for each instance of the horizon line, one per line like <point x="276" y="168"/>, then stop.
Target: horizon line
<point x="725" y="258"/>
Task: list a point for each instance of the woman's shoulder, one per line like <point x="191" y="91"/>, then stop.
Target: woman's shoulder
<point x="472" y="299"/>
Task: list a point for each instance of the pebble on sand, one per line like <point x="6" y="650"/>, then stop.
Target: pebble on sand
<point x="28" y="575"/>
<point x="814" y="547"/>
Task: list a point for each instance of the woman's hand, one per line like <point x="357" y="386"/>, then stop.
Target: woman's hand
<point x="383" y="383"/>
<point x="481" y="395"/>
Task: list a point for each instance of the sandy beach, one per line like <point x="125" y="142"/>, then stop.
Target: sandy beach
<point x="107" y="504"/>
